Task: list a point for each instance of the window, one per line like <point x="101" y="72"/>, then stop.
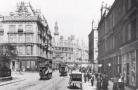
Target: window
<point x="12" y="38"/>
<point x="129" y="31"/>
<point x="1" y="39"/>
<point x="133" y="29"/>
<point x="123" y="34"/>
<point x="20" y="28"/>
<point x="21" y="50"/>
<point x="12" y="28"/>
<point x="1" y="30"/>
<point x="129" y="4"/>
<point x="20" y="38"/>
<point x="1" y="33"/>
<point x="28" y="28"/>
<point x="29" y="38"/>
<point x="29" y="50"/>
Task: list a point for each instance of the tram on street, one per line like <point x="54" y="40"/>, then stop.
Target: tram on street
<point x="75" y="79"/>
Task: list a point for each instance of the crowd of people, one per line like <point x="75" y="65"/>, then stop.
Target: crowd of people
<point x="102" y="81"/>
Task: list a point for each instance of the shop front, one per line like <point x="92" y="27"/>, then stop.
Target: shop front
<point x="25" y="63"/>
<point x="129" y="55"/>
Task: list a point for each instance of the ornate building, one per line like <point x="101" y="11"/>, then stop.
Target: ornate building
<point x="28" y="30"/>
<point x="118" y="41"/>
<point x="68" y="50"/>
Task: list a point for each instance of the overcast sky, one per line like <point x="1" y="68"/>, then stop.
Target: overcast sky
<point x="73" y="16"/>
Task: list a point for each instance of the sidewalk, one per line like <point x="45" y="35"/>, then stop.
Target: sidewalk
<point x="22" y="76"/>
<point x="126" y="88"/>
<point x="19" y="76"/>
<point x="87" y="86"/>
<point x="16" y="77"/>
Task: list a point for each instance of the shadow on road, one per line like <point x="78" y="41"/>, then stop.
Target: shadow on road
<point x="73" y="87"/>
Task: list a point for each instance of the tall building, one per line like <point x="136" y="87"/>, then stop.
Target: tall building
<point x="93" y="48"/>
<point x="118" y="41"/>
<point x="67" y="49"/>
<point x="62" y="48"/>
<point x="28" y="30"/>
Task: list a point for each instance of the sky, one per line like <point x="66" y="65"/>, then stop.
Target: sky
<point x="74" y="17"/>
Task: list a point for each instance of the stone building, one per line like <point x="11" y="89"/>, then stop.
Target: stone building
<point x="68" y="50"/>
<point x="93" y="48"/>
<point x="62" y="48"/>
<point x="81" y="52"/>
<point x="118" y="41"/>
<point x="28" y="30"/>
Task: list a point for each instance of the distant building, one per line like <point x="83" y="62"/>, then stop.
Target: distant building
<point x="67" y="50"/>
<point x="28" y="30"/>
<point x="118" y="41"/>
<point x="93" y="48"/>
<point x="81" y="52"/>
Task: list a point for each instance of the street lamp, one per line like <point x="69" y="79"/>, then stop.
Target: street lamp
<point x="109" y="65"/>
<point x="99" y="65"/>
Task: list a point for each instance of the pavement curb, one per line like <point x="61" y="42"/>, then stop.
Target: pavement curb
<point x="6" y="78"/>
<point x="10" y="82"/>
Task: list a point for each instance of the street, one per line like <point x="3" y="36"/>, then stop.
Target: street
<point x="32" y="82"/>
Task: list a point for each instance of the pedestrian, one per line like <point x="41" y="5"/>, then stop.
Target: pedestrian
<point x="121" y="83"/>
<point x="96" y="75"/>
<point x="92" y="79"/>
<point x="88" y="76"/>
<point x="99" y="82"/>
<point x="85" y="77"/>
<point x="115" y="83"/>
<point x="105" y="82"/>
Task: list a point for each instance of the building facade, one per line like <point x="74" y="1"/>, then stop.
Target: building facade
<point x="68" y="50"/>
<point x="93" y="48"/>
<point x="28" y="30"/>
<point x="118" y="41"/>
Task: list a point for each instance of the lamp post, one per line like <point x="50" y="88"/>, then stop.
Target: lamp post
<point x="99" y="67"/>
<point x="109" y="65"/>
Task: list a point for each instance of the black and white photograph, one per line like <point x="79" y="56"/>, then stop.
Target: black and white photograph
<point x="68" y="44"/>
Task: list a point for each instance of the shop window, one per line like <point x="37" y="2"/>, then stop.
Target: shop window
<point x="28" y="64"/>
